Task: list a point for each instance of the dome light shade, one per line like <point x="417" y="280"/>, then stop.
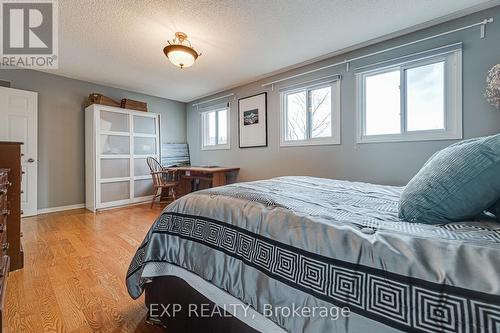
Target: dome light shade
<point x="180" y="52"/>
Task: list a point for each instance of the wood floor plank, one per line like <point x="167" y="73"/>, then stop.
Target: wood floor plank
<point x="74" y="275"/>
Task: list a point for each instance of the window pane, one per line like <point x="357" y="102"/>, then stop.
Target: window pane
<point x="383" y="103"/>
<point x="425" y="97"/>
<point x="296" y="116"/>
<point x="222" y="127"/>
<point x="210" y="130"/>
<point x="321" y="112"/>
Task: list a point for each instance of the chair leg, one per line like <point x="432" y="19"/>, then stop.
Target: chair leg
<point x="155" y="194"/>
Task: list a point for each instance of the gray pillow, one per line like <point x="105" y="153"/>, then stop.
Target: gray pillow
<point x="456" y="184"/>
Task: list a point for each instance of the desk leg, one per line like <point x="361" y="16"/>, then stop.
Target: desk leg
<point x="184" y="187"/>
<point x="219" y="179"/>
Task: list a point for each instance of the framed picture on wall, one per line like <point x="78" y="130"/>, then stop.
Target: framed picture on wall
<point x="252" y="120"/>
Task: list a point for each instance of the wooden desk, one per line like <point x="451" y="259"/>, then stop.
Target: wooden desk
<point x="216" y="175"/>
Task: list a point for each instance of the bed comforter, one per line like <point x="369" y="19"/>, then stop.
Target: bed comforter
<point x="315" y="242"/>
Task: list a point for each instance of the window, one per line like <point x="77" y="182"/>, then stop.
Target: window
<point x="412" y="101"/>
<point x="215" y="127"/>
<point x="310" y="115"/>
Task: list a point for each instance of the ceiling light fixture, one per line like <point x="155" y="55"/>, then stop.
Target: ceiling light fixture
<point x="180" y="52"/>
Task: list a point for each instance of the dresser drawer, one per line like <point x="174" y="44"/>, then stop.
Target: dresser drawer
<point x="3" y="225"/>
<point x="3" y="202"/>
<point x="4" y="273"/>
<point x="4" y="209"/>
<point x="4" y="178"/>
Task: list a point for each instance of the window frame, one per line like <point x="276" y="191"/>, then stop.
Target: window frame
<point x="217" y="146"/>
<point x="452" y="100"/>
<point x="335" y="115"/>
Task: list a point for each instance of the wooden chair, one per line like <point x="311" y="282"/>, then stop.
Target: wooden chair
<point x="163" y="180"/>
<point x="177" y="154"/>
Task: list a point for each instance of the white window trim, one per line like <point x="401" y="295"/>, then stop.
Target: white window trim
<point x="226" y="146"/>
<point x="335" y="103"/>
<point x="453" y="101"/>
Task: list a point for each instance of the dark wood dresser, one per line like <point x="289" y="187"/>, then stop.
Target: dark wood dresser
<point x="5" y="259"/>
<point x="10" y="158"/>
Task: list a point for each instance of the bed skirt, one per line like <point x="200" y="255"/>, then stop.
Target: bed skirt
<point x="173" y="303"/>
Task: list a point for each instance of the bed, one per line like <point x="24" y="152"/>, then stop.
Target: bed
<point x="314" y="243"/>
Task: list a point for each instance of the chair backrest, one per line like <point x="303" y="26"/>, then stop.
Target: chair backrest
<point x="175" y="154"/>
<point x="155" y="167"/>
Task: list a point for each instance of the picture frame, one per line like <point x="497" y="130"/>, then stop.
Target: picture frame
<point x="252" y="121"/>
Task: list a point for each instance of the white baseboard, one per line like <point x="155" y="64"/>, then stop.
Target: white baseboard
<point x="60" y="208"/>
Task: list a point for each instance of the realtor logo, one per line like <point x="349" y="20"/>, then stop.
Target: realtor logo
<point x="29" y="34"/>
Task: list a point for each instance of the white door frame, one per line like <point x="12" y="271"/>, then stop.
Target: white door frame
<point x="29" y="160"/>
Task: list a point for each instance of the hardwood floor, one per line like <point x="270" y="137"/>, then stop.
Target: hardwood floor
<point x="73" y="279"/>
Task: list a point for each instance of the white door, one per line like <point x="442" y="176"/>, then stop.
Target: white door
<point x="18" y="123"/>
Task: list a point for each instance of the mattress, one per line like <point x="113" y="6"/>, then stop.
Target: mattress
<point x="317" y="243"/>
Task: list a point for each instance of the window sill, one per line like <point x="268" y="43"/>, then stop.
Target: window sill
<point x="309" y="143"/>
<point x="219" y="147"/>
<point x="410" y="138"/>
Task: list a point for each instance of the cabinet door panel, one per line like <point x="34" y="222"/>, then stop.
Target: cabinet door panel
<point x="115" y="191"/>
<point x="143" y="187"/>
<point x="144" y="146"/>
<point x="115" y="167"/>
<point x="141" y="167"/>
<point x="115" y="145"/>
<point x="144" y="125"/>
<point x="114" y="121"/>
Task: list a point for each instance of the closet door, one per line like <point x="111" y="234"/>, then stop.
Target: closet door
<point x="145" y="144"/>
<point x="113" y="164"/>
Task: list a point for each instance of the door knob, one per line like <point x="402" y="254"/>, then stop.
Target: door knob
<point x="30" y="160"/>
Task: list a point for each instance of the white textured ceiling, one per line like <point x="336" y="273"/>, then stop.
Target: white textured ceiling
<point x="119" y="42"/>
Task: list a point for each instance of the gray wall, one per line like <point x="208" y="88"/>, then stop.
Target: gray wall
<point x="61" y="133"/>
<point x="385" y="163"/>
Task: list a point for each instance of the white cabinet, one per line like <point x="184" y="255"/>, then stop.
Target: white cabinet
<point x="117" y="143"/>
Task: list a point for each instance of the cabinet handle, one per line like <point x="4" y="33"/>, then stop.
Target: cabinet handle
<point x="5" y="212"/>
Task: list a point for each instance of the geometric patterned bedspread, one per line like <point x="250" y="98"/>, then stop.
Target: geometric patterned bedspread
<point x="319" y="242"/>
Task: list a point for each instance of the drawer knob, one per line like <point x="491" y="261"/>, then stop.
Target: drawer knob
<point x="5" y="246"/>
